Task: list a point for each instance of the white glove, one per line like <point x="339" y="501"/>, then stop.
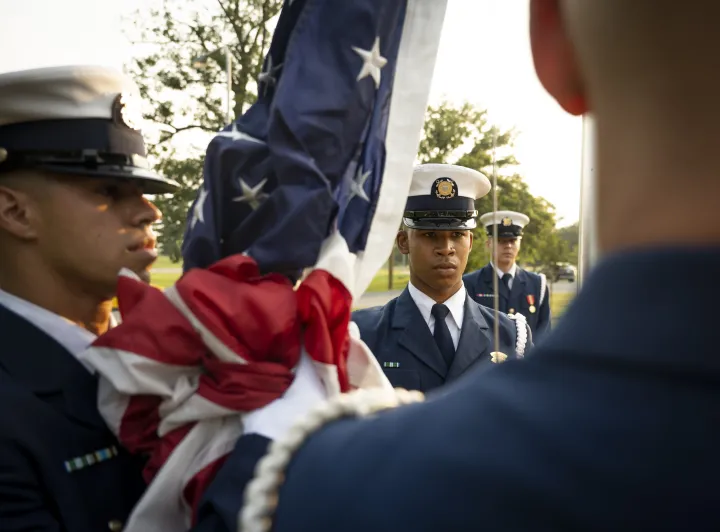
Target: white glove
<point x="275" y="419"/>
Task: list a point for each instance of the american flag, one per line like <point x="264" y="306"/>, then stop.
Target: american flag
<point x="312" y="178"/>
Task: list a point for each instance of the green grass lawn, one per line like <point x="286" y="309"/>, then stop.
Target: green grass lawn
<point x="163" y="280"/>
<point x="378" y="284"/>
<point x="165" y="262"/>
<point x="380" y="281"/>
<point x="558" y="302"/>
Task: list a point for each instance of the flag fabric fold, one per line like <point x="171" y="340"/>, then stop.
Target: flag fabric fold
<point x="329" y="146"/>
<point x="309" y="184"/>
<point x="222" y="342"/>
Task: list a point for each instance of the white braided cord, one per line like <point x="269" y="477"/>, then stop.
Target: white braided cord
<point x="522" y="333"/>
<point x="262" y="493"/>
<point x="543" y="288"/>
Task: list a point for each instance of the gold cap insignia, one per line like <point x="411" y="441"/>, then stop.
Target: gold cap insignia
<point x="127" y="109"/>
<point x="444" y="188"/>
<point x="497" y="357"/>
<point x="3" y="155"/>
<point x="507" y="222"/>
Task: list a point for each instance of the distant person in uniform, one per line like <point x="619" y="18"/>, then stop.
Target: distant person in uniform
<point x="613" y="422"/>
<point x="73" y="176"/>
<point x="520" y="291"/>
<point x="434" y="332"/>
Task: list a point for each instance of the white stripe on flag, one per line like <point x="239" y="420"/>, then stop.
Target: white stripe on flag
<point x="162" y="506"/>
<point x="408" y="104"/>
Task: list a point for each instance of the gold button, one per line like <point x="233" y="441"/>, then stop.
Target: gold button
<point x="511" y="311"/>
<point x="115" y="525"/>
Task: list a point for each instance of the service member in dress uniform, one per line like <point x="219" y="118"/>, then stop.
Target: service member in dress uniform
<point x="73" y="177"/>
<point x="434" y="332"/>
<point x="520" y="291"/>
<point x="613" y="423"/>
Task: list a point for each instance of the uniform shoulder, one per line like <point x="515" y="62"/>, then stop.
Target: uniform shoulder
<point x="532" y="275"/>
<point x="472" y="276"/>
<point x="489" y="314"/>
<point x="372" y="315"/>
<point x="534" y="278"/>
<point x="367" y="314"/>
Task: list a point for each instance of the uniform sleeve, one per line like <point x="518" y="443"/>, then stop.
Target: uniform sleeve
<point x="221" y="503"/>
<point x="544" y="316"/>
<point x="394" y="472"/>
<point x="530" y="341"/>
<point x="22" y="506"/>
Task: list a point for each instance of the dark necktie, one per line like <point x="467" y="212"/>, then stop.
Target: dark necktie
<point x="506" y="278"/>
<point x="442" y="333"/>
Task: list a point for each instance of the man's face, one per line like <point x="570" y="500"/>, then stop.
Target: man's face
<point x="437" y="258"/>
<point x="85" y="229"/>
<point x="507" y="250"/>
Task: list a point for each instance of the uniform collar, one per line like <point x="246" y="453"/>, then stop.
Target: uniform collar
<point x="456" y="304"/>
<point x="500" y="273"/>
<point x="71" y="336"/>
<point x="37" y="361"/>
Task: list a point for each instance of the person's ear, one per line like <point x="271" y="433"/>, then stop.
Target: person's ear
<point x="19" y="213"/>
<point x="402" y="241"/>
<point x="554" y="57"/>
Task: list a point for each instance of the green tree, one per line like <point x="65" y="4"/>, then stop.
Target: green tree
<point x="181" y="98"/>
<point x="541" y="243"/>
<point x="571" y="235"/>
<point x="461" y="134"/>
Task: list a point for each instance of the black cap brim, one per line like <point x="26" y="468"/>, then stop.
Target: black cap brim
<point x="440" y="224"/>
<point x="153" y="183"/>
<point x="504" y="232"/>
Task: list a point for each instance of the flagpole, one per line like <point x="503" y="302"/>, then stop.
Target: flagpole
<point x="229" y="115"/>
<point x="588" y="253"/>
<point x="496" y="291"/>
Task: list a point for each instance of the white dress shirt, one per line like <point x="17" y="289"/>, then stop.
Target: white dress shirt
<point x="512" y="272"/>
<point x="69" y="335"/>
<point x="456" y="305"/>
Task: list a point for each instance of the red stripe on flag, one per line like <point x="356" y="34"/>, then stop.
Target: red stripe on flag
<point x="261" y="319"/>
<point x="244" y="387"/>
<point x="152" y="327"/>
<point x="256" y="317"/>
<point x="324" y="307"/>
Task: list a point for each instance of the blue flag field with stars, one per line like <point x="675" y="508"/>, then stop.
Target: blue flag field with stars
<point x="316" y="172"/>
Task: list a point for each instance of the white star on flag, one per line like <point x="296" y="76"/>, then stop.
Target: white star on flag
<point x="372" y="62"/>
<point x="268" y="77"/>
<point x="357" y="185"/>
<point x="252" y="195"/>
<point x="198" y="210"/>
<point x="235" y="134"/>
